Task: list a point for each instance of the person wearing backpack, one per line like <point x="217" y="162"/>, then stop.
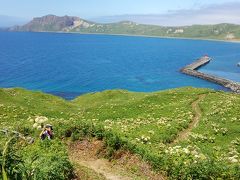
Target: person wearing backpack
<point x="47" y="132"/>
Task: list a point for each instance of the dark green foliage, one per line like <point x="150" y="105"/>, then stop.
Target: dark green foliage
<point x="12" y="166"/>
<point x="47" y="160"/>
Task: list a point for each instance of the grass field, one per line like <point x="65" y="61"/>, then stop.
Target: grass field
<point x="144" y="123"/>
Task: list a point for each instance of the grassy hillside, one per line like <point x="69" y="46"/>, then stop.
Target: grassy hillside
<point x="145" y="123"/>
<point x="74" y="24"/>
<point x="219" y="31"/>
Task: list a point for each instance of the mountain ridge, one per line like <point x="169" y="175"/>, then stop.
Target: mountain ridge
<point x="53" y="23"/>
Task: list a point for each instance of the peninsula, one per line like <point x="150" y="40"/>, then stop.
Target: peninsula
<point x="71" y="24"/>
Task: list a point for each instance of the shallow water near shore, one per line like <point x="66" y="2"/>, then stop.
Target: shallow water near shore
<point x="69" y="65"/>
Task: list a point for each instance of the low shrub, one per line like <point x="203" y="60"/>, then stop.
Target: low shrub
<point x="12" y="166"/>
<point x="47" y="160"/>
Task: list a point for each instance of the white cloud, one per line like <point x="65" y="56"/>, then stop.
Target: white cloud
<point x="213" y="14"/>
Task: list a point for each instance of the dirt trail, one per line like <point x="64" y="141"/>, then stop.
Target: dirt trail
<point x="198" y="113"/>
<point x="84" y="153"/>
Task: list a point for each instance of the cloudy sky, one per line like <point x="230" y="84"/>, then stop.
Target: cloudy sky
<point x="228" y="12"/>
<point x="160" y="12"/>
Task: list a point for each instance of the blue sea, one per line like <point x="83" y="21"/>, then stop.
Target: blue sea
<point x="69" y="65"/>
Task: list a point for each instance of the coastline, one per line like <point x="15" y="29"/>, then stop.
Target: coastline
<point x="160" y="37"/>
<point x="136" y="35"/>
<point x="192" y="70"/>
<point x="207" y="79"/>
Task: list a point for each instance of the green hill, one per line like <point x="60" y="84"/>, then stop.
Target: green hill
<point x="52" y="23"/>
<point x="188" y="133"/>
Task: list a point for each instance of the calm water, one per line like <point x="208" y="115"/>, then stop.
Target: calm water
<point x="71" y="64"/>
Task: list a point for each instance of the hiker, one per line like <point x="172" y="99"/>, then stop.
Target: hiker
<point x="47" y="132"/>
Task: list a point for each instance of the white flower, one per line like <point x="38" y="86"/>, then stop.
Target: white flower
<point x="186" y="150"/>
<point x="137" y="139"/>
<point x="197" y="156"/>
<point x="35" y="125"/>
<point x="233" y="159"/>
<point x="41" y="119"/>
<point x="151" y="132"/>
<point x="194" y="152"/>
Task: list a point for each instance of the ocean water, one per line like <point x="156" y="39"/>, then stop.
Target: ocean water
<point x="68" y="65"/>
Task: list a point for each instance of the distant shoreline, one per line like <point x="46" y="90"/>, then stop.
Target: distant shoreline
<point x="160" y="37"/>
<point x="134" y="35"/>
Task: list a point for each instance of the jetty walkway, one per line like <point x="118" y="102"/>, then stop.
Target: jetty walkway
<point x="192" y="70"/>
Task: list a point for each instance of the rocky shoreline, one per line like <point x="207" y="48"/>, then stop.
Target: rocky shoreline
<point x="192" y="70"/>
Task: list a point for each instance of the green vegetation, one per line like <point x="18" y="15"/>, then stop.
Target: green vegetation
<point x="51" y="23"/>
<point x="144" y="123"/>
<point x="219" y="31"/>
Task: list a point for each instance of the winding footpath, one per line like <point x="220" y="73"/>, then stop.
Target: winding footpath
<point x="183" y="135"/>
<point x="84" y="154"/>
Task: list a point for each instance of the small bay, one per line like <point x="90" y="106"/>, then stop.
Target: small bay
<point x="68" y="65"/>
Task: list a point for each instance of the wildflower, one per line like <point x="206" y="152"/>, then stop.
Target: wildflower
<point x="233" y="159"/>
<point x="41" y="119"/>
<point x="185" y="150"/>
<point x="35" y="125"/>
<point x="151" y="132"/>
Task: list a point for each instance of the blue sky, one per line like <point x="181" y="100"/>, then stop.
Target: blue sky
<point x="95" y="8"/>
<point x="162" y="12"/>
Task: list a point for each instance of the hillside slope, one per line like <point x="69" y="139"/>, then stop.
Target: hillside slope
<point x="54" y="23"/>
<point x="147" y="124"/>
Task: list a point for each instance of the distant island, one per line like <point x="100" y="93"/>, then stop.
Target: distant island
<point x="71" y="24"/>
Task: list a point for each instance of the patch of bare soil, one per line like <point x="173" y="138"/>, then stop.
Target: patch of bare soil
<point x="198" y="114"/>
<point x="124" y="166"/>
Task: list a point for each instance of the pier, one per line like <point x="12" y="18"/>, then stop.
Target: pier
<point x="192" y="70"/>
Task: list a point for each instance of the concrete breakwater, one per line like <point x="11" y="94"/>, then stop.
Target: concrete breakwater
<point x="192" y="69"/>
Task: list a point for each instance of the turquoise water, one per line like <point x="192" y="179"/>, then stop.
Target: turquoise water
<point x="72" y="64"/>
